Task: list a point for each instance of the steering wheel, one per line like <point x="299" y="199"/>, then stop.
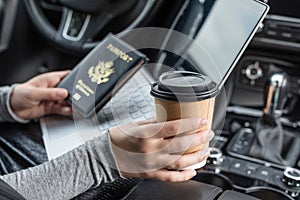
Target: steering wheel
<point x="82" y="20"/>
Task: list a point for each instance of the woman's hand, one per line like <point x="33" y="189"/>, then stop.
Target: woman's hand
<point x="38" y="97"/>
<point x="148" y="150"/>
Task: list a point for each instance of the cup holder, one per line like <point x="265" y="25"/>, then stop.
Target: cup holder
<point x="266" y="193"/>
<point x="211" y="178"/>
<point x="223" y="182"/>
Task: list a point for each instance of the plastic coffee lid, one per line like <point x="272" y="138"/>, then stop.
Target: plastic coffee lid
<point x="184" y="86"/>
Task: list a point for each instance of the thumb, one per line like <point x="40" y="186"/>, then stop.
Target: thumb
<point x="49" y="94"/>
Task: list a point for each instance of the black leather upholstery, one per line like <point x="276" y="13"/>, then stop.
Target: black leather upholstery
<point x="232" y="195"/>
<point x="21" y="146"/>
<point x="8" y="193"/>
<point x="189" y="190"/>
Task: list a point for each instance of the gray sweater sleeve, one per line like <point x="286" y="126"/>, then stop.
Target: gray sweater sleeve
<point x="4" y="111"/>
<point x="83" y="168"/>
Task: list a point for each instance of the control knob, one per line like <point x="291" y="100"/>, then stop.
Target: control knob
<point x="215" y="156"/>
<point x="253" y="72"/>
<point x="291" y="177"/>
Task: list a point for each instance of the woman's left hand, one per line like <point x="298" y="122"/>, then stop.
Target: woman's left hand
<point x="38" y="97"/>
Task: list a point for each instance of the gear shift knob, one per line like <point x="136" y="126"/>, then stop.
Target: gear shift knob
<point x="275" y="94"/>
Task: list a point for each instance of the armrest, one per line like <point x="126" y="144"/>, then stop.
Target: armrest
<point x="232" y="195"/>
<point x="157" y="190"/>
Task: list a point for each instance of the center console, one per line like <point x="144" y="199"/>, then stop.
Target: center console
<point x="258" y="150"/>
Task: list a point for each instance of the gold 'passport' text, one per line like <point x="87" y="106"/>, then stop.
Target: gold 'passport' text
<point x="119" y="53"/>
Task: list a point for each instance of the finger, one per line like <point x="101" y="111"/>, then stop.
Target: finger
<point x="190" y="159"/>
<point x="50" y="79"/>
<point x="53" y="78"/>
<point x="148" y="121"/>
<point x="182" y="143"/>
<point x="60" y="74"/>
<point x="59" y="110"/>
<point x="176" y="127"/>
<point x="172" y="176"/>
<point x="63" y="103"/>
<point x="49" y="94"/>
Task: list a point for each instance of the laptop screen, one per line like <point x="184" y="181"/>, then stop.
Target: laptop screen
<point x="226" y="30"/>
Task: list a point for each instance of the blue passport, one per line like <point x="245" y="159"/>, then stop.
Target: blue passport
<point x="92" y="82"/>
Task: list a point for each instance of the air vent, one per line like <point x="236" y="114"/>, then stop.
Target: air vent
<point x="280" y="30"/>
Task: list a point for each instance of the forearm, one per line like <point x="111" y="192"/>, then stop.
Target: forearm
<point x="69" y="175"/>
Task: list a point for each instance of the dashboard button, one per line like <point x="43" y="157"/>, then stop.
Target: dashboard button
<point x="271" y="33"/>
<point x="286" y="35"/>
<point x="264" y="173"/>
<point x="250" y="171"/>
<point x="238" y="166"/>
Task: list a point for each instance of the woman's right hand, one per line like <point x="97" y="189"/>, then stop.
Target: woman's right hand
<point x="148" y="150"/>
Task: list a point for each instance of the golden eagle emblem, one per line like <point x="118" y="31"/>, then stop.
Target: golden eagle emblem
<point x="100" y="73"/>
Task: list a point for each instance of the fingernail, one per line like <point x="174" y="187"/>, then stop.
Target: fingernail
<point x="61" y="93"/>
<point x="67" y="110"/>
<point x="210" y="135"/>
<point x="204" y="153"/>
<point x="202" y="122"/>
<point x="194" y="173"/>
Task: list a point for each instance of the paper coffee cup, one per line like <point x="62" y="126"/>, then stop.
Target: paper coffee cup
<point x="182" y="94"/>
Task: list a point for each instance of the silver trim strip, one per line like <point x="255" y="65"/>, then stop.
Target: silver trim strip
<point x="255" y="160"/>
<point x="147" y="8"/>
<point x="283" y="18"/>
<point x="67" y="25"/>
<point x="8" y="23"/>
<point x="244" y="111"/>
<point x="251" y="112"/>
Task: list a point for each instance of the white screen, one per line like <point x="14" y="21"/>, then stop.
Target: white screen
<point x="224" y="35"/>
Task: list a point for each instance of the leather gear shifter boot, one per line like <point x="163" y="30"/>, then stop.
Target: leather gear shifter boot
<point x="274" y="144"/>
<point x="268" y="142"/>
<point x="271" y="142"/>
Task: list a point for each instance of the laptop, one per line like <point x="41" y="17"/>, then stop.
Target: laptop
<point x="223" y="34"/>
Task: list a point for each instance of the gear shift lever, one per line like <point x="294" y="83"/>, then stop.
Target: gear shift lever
<point x="268" y="142"/>
<point x="275" y="96"/>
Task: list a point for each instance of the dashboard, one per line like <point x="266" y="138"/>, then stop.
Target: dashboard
<point x="275" y="47"/>
<point x="274" y="50"/>
<point x="282" y="25"/>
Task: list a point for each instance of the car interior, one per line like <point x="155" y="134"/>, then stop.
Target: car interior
<point x="256" y="151"/>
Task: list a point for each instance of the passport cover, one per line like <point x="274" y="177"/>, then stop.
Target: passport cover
<point x="91" y="82"/>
